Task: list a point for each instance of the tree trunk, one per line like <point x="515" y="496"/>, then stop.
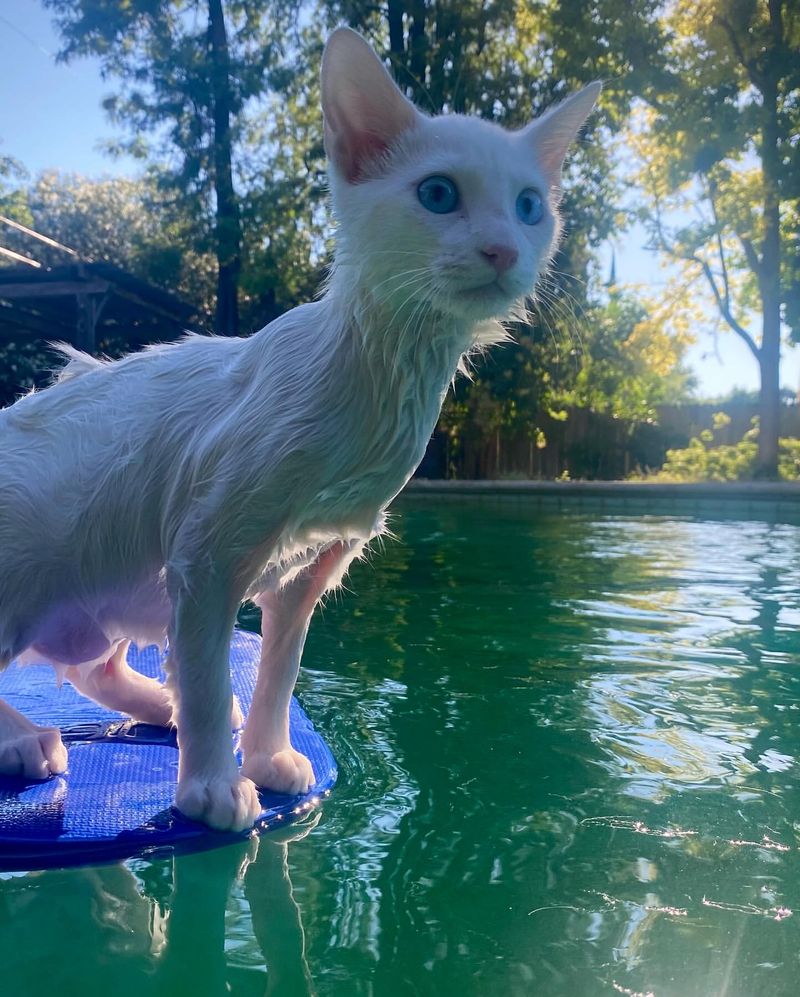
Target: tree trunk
<point x="227" y="223"/>
<point x="396" y="38"/>
<point x="770" y="288"/>
<point x="418" y="52"/>
<point x="769" y="410"/>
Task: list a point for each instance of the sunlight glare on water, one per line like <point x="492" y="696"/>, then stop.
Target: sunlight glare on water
<point x="568" y="753"/>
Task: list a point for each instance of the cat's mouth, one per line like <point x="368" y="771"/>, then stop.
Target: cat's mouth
<point x="492" y="292"/>
<point x="477" y="302"/>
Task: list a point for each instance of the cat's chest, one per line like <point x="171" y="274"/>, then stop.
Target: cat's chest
<point x="404" y="413"/>
<point x="385" y="439"/>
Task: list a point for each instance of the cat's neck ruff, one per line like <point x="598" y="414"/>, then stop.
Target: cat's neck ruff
<point x="400" y="339"/>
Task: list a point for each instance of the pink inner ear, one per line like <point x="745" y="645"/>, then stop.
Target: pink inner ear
<point x="356" y="150"/>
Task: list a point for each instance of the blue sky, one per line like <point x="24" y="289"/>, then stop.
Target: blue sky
<point x="50" y="117"/>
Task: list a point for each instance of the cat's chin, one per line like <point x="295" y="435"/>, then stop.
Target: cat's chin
<point x="479" y="304"/>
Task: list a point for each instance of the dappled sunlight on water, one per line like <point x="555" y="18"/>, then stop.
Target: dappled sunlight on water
<point x="568" y="766"/>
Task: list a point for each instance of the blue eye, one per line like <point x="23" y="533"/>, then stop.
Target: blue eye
<point x="530" y="206"/>
<point x="438" y="194"/>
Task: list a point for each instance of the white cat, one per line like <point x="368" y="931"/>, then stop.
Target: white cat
<point x="149" y="496"/>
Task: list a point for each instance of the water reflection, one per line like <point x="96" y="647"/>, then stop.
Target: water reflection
<point x="712" y="609"/>
<point x="568" y="767"/>
<point x="686" y="725"/>
<point x="551" y="675"/>
<point x="164" y="926"/>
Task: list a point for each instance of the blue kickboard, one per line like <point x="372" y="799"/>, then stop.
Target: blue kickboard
<point x="116" y="798"/>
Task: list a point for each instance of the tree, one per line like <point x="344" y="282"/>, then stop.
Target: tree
<point x="286" y="241"/>
<point x="718" y="144"/>
<point x="635" y="363"/>
<point x="629" y="363"/>
<point x="118" y="220"/>
<point x="188" y="71"/>
<point x="127" y="222"/>
<point x="12" y="174"/>
<point x="507" y="62"/>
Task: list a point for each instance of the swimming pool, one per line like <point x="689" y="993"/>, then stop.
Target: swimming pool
<point x="568" y="752"/>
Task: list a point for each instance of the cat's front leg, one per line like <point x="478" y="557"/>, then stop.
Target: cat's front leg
<point x="210" y="787"/>
<point x="269" y="758"/>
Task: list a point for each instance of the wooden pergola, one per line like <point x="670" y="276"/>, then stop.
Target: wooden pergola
<point x="85" y="303"/>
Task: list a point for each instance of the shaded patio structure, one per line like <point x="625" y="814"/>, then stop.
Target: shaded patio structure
<point x="85" y="304"/>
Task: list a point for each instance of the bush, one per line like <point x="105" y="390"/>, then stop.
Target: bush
<point x="702" y="461"/>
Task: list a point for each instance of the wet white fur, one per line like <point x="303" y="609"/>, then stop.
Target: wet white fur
<point x="150" y="495"/>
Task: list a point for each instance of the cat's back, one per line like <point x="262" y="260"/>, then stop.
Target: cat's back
<point x="123" y="421"/>
<point x="101" y="396"/>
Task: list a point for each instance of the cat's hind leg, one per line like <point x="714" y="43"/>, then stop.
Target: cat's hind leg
<point x="27" y="750"/>
<point x="269" y="758"/>
<point x="113" y="683"/>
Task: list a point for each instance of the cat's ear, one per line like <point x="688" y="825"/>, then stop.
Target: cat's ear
<point x="553" y="133"/>
<point x="364" y="111"/>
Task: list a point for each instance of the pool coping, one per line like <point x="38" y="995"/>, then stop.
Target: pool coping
<point x="725" y="490"/>
<point x="777" y="501"/>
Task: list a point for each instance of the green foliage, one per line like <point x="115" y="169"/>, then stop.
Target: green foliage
<point x="285" y="236"/>
<point x="130" y="223"/>
<point x="22" y="365"/>
<point x="701" y="460"/>
<point x="12" y="173"/>
<point x="188" y="73"/>
<point x="630" y="365"/>
<point x="607" y="357"/>
<point x="718" y="149"/>
<point x="507" y="62"/>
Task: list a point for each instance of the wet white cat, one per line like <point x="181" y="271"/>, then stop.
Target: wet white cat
<point x="149" y="496"/>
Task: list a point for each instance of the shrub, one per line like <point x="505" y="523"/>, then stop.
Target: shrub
<point x="702" y="461"/>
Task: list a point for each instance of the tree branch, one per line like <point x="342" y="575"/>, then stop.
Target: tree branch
<point x="756" y="77"/>
<point x="721" y="297"/>
<point x="751" y="256"/>
<point x="720" y="246"/>
<point x="724" y="307"/>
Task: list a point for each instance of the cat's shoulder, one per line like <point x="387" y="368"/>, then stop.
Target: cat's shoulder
<point x="305" y="316"/>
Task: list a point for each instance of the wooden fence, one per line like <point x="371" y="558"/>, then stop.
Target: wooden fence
<point x="588" y="445"/>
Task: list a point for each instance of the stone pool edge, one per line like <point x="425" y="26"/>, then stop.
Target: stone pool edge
<point x="751" y="498"/>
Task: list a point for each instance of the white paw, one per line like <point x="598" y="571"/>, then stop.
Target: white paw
<point x="33" y="754"/>
<point x="223" y="803"/>
<point x="284" y="771"/>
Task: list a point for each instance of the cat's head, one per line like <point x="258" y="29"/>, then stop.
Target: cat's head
<point x="454" y="211"/>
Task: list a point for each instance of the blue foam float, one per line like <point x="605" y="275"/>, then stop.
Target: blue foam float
<point x="116" y="798"/>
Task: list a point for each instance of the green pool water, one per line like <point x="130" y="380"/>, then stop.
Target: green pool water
<point x="568" y="753"/>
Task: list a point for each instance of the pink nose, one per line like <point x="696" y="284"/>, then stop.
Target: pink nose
<point x="501" y="257"/>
